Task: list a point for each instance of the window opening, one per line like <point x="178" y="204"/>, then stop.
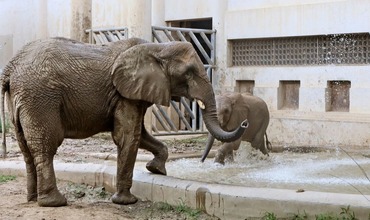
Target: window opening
<point x="337" y="96"/>
<point x="288" y="95"/>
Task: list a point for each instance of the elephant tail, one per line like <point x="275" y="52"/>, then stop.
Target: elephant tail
<point x="4" y="88"/>
<point x="268" y="143"/>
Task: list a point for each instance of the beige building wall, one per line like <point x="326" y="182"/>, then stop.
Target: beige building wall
<point x="25" y="21"/>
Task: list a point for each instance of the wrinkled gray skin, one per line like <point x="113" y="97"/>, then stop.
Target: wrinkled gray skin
<point x="59" y="88"/>
<point x="232" y="108"/>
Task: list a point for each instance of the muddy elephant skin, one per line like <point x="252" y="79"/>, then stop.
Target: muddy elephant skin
<point x="232" y="108"/>
<point x="59" y="88"/>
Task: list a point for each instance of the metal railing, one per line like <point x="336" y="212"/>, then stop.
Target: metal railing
<point x="104" y="35"/>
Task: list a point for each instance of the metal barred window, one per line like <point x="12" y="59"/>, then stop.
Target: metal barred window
<point x="309" y="50"/>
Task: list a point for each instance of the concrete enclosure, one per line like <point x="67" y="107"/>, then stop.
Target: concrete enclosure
<point x="310" y="65"/>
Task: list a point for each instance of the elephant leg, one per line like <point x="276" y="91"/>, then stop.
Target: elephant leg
<point x="30" y="166"/>
<point x="159" y="150"/>
<point x="42" y="142"/>
<point x="48" y="193"/>
<point x="226" y="151"/>
<point x="259" y="142"/>
<point x="229" y="156"/>
<point x="126" y="135"/>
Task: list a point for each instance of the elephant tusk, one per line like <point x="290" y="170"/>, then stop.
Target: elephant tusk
<point x="201" y="104"/>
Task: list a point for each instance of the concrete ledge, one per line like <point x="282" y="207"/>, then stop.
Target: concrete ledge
<point x="223" y="201"/>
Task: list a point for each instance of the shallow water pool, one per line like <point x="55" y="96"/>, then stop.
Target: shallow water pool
<point x="329" y="170"/>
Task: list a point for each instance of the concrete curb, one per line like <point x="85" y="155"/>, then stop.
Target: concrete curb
<point x="223" y="201"/>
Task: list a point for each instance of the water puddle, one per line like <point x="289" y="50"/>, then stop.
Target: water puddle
<point x="316" y="169"/>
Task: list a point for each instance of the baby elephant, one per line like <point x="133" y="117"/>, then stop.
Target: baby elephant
<point x="232" y="109"/>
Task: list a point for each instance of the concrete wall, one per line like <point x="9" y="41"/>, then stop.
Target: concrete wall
<point x="268" y="19"/>
<point x="25" y="21"/>
<point x="136" y="15"/>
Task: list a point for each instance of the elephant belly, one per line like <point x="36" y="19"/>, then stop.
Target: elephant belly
<point x="249" y="135"/>
<point x="86" y="123"/>
<point x="83" y="131"/>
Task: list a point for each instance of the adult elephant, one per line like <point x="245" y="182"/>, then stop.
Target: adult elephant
<point x="59" y="88"/>
<point x="232" y="108"/>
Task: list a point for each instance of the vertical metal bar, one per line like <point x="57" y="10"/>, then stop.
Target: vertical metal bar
<point x="91" y="36"/>
<point x="126" y="33"/>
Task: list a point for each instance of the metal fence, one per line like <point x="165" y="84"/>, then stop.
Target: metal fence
<point x="103" y="36"/>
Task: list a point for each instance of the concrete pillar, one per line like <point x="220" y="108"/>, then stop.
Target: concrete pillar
<point x="221" y="79"/>
<point x="139" y="19"/>
<point x="81" y="19"/>
<point x="158" y="12"/>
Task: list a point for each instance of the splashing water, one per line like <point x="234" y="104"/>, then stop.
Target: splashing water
<point x="330" y="170"/>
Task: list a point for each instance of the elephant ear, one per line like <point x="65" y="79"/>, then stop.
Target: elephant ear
<point x="240" y="111"/>
<point x="139" y="74"/>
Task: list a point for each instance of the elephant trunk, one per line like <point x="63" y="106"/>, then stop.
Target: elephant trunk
<point x="209" y="144"/>
<point x="213" y="126"/>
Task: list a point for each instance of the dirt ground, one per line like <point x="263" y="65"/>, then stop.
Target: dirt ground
<point x="86" y="202"/>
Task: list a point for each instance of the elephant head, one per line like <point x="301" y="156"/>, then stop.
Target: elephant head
<point x="224" y="110"/>
<point x="157" y="73"/>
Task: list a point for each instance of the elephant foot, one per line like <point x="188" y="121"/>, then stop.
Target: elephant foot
<point x="222" y="162"/>
<point x="124" y="198"/>
<point x="229" y="157"/>
<point x="220" y="158"/>
<point x="32" y="197"/>
<point x="156" y="166"/>
<point x="53" y="199"/>
<point x="264" y="151"/>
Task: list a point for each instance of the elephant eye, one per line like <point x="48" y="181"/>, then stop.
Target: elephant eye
<point x="189" y="74"/>
<point x="190" y="69"/>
